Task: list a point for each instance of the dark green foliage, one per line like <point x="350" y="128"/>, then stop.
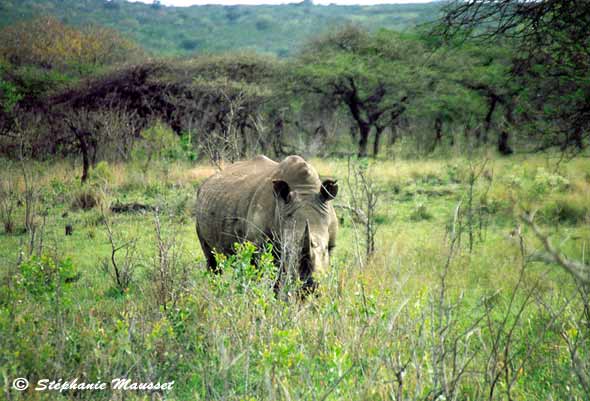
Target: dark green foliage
<point x="42" y="275"/>
<point x="190" y="44"/>
<point x="550" y="65"/>
<point x="372" y="76"/>
<point x="10" y="96"/>
<point x="34" y="82"/>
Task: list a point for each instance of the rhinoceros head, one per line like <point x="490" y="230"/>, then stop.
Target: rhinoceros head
<point x="304" y="218"/>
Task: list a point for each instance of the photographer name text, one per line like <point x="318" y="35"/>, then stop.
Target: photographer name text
<point x="119" y="384"/>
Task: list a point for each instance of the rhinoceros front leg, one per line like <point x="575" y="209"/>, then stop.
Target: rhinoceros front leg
<point x="208" y="252"/>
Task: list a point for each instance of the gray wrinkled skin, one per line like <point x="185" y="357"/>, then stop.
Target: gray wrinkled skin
<point x="261" y="200"/>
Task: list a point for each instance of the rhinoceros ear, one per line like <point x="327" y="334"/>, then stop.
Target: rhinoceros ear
<point x="329" y="190"/>
<point x="281" y="189"/>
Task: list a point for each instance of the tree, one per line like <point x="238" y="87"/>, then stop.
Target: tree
<point x="551" y="63"/>
<point x="106" y="46"/>
<point x="373" y="77"/>
<point x="472" y="88"/>
<point x="47" y="43"/>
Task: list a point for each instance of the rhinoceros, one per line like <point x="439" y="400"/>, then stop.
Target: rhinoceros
<point x="261" y="200"/>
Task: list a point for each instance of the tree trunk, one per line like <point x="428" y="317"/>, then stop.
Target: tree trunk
<point x="393" y="135"/>
<point x="378" y="131"/>
<point x="364" y="131"/>
<point x="503" y="146"/>
<point x="277" y="137"/>
<point x="493" y="101"/>
<point x="93" y="151"/>
<point x="437" y="133"/>
<point x="576" y="138"/>
<point x="353" y="132"/>
<point x="355" y="105"/>
<point x="81" y="136"/>
<point x="246" y="146"/>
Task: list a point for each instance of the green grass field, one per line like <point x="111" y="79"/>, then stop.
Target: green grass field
<point x="450" y="305"/>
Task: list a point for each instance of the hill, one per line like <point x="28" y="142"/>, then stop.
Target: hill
<point x="277" y="29"/>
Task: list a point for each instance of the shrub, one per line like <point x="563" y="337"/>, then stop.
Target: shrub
<point x="571" y="210"/>
<point x="93" y="219"/>
<point x="92" y="193"/>
<point x="186" y="147"/>
<point x="8" y="201"/>
<point x="123" y="260"/>
<point x="154" y="189"/>
<point x="453" y="173"/>
<point x="42" y="275"/>
<point x="9" y="94"/>
<point x="102" y="175"/>
<point x="547" y="182"/>
<point x="247" y="266"/>
<point x="420" y="212"/>
<point x="86" y="198"/>
<point x="58" y="189"/>
<point x="158" y="140"/>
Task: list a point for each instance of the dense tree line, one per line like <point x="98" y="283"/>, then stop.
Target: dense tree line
<point x="91" y="92"/>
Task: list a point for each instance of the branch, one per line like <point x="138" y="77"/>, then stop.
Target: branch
<point x="579" y="270"/>
<point x="360" y="215"/>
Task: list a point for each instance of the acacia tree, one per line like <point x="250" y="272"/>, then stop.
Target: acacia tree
<point x="472" y="89"/>
<point x="551" y="63"/>
<point x="230" y="100"/>
<point x="373" y="77"/>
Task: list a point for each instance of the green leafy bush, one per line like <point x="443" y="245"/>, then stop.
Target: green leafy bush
<point x="186" y="145"/>
<point x="9" y="94"/>
<point x="248" y="266"/>
<point x="545" y="182"/>
<point x="41" y="275"/>
<point x="158" y="141"/>
<point x="102" y="174"/>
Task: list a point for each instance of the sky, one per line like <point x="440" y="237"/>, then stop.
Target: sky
<point x="184" y="3"/>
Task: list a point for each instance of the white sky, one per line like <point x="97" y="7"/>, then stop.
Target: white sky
<point x="184" y="3"/>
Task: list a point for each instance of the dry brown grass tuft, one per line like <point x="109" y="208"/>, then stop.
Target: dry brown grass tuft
<point x="196" y="174"/>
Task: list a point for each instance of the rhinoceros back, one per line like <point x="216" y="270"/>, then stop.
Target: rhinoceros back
<point x="224" y="201"/>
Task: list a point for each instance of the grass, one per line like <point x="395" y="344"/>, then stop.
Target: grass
<point x="368" y="334"/>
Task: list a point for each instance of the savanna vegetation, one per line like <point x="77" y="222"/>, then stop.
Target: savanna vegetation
<point x="279" y="30"/>
<point x="461" y="268"/>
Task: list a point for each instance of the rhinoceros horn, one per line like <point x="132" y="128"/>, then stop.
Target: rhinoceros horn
<point x="306" y="240"/>
<point x="306" y="251"/>
<point x="305" y="273"/>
